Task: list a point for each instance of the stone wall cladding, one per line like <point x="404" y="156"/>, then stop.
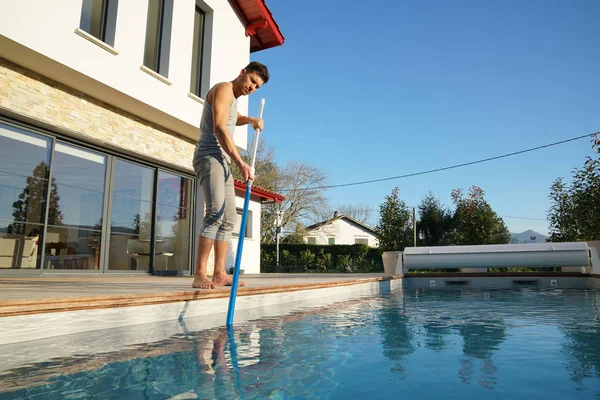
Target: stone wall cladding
<point x="28" y="93"/>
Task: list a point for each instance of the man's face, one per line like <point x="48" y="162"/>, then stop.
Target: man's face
<point x="250" y="82"/>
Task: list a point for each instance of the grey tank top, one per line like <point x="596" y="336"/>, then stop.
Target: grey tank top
<point x="207" y="144"/>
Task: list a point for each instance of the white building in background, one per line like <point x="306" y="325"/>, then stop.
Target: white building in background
<point x="341" y="229"/>
<point x="100" y="103"/>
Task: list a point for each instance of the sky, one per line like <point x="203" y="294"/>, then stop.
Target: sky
<point x="368" y="90"/>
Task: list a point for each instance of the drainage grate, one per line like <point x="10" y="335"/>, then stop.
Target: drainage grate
<point x="526" y="282"/>
<point x="456" y="283"/>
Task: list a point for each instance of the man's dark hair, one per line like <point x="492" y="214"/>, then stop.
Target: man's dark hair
<point x="260" y="69"/>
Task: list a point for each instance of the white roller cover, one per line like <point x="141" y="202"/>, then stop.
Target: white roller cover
<point x="531" y="255"/>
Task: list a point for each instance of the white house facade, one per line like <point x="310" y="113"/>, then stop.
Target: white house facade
<point x="341" y="229"/>
<point x="100" y="103"/>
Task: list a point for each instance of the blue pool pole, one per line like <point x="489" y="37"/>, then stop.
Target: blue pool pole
<point x="241" y="237"/>
<point x="234" y="361"/>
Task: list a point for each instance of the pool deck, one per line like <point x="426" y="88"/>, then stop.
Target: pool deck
<point x="45" y="307"/>
<point x="28" y="295"/>
<point x="44" y="294"/>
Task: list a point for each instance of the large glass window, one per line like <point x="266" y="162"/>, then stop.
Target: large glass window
<point x="24" y="173"/>
<point x="173" y="222"/>
<point x="67" y="207"/>
<point x="99" y="19"/>
<point x="76" y="205"/>
<point x="132" y="217"/>
<point x="158" y="36"/>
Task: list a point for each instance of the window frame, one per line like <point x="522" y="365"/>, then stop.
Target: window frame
<point x="106" y="21"/>
<point x="159" y="43"/>
<point x="196" y="87"/>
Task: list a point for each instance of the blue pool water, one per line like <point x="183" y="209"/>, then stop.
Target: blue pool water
<point x="419" y="344"/>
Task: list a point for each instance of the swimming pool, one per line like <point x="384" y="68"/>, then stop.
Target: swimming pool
<point x="416" y="344"/>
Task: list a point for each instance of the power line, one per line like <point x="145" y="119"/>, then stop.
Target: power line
<point x="444" y="168"/>
<point x="501" y="216"/>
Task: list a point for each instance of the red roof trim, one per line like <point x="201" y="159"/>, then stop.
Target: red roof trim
<point x="261" y="26"/>
<point x="258" y="191"/>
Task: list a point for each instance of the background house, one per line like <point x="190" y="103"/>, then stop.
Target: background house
<point x="341" y="229"/>
<point x="100" y="103"/>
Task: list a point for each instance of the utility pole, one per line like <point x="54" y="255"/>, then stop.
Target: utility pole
<point x="415" y="226"/>
<point x="278" y="221"/>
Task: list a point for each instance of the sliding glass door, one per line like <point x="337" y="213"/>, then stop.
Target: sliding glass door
<point x="24" y="181"/>
<point x="73" y="237"/>
<point x="173" y="223"/>
<point x="66" y="207"/>
<point x="132" y="209"/>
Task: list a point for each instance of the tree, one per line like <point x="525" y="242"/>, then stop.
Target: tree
<point x="302" y="205"/>
<point x="575" y="211"/>
<point x="267" y="171"/>
<point x="142" y="226"/>
<point x="435" y="225"/>
<point x="360" y="212"/>
<point x="296" y="237"/>
<point x="394" y="229"/>
<point x="30" y="207"/>
<point x="474" y="220"/>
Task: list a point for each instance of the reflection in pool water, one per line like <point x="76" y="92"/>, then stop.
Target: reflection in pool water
<point x="418" y="344"/>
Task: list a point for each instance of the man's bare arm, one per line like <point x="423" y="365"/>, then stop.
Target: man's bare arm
<point x="256" y="123"/>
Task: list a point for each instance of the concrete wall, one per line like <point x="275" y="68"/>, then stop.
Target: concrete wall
<point x="43" y="36"/>
<point x="343" y="231"/>
<point x="251" y="253"/>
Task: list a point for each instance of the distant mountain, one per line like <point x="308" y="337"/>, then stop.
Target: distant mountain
<point x="525" y="237"/>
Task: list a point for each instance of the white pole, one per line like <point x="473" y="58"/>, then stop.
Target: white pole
<point x="415" y="226"/>
<point x="256" y="136"/>
<point x="278" y="221"/>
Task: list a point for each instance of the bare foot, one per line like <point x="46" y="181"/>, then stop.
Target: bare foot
<point x="202" y="282"/>
<point x="222" y="279"/>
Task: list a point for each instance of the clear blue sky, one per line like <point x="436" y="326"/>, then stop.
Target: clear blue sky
<point x="367" y="90"/>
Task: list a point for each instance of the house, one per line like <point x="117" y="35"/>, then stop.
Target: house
<point x="341" y="229"/>
<point x="100" y="104"/>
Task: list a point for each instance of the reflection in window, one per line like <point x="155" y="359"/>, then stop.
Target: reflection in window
<point x="131" y="218"/>
<point x="173" y="222"/>
<point x="76" y="205"/>
<point x="24" y="171"/>
<point x="99" y="19"/>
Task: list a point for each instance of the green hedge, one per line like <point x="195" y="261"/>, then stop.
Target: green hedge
<point x="321" y="258"/>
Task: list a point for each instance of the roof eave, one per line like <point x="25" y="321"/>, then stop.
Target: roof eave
<point x="260" y="25"/>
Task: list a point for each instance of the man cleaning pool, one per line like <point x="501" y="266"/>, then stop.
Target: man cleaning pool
<point x="214" y="153"/>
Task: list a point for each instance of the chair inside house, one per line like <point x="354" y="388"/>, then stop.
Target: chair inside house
<point x="139" y="250"/>
<point x="61" y="255"/>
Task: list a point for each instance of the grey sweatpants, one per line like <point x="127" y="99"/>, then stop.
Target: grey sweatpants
<point x="214" y="175"/>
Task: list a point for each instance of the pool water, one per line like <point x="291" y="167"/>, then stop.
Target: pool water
<point x="419" y="344"/>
